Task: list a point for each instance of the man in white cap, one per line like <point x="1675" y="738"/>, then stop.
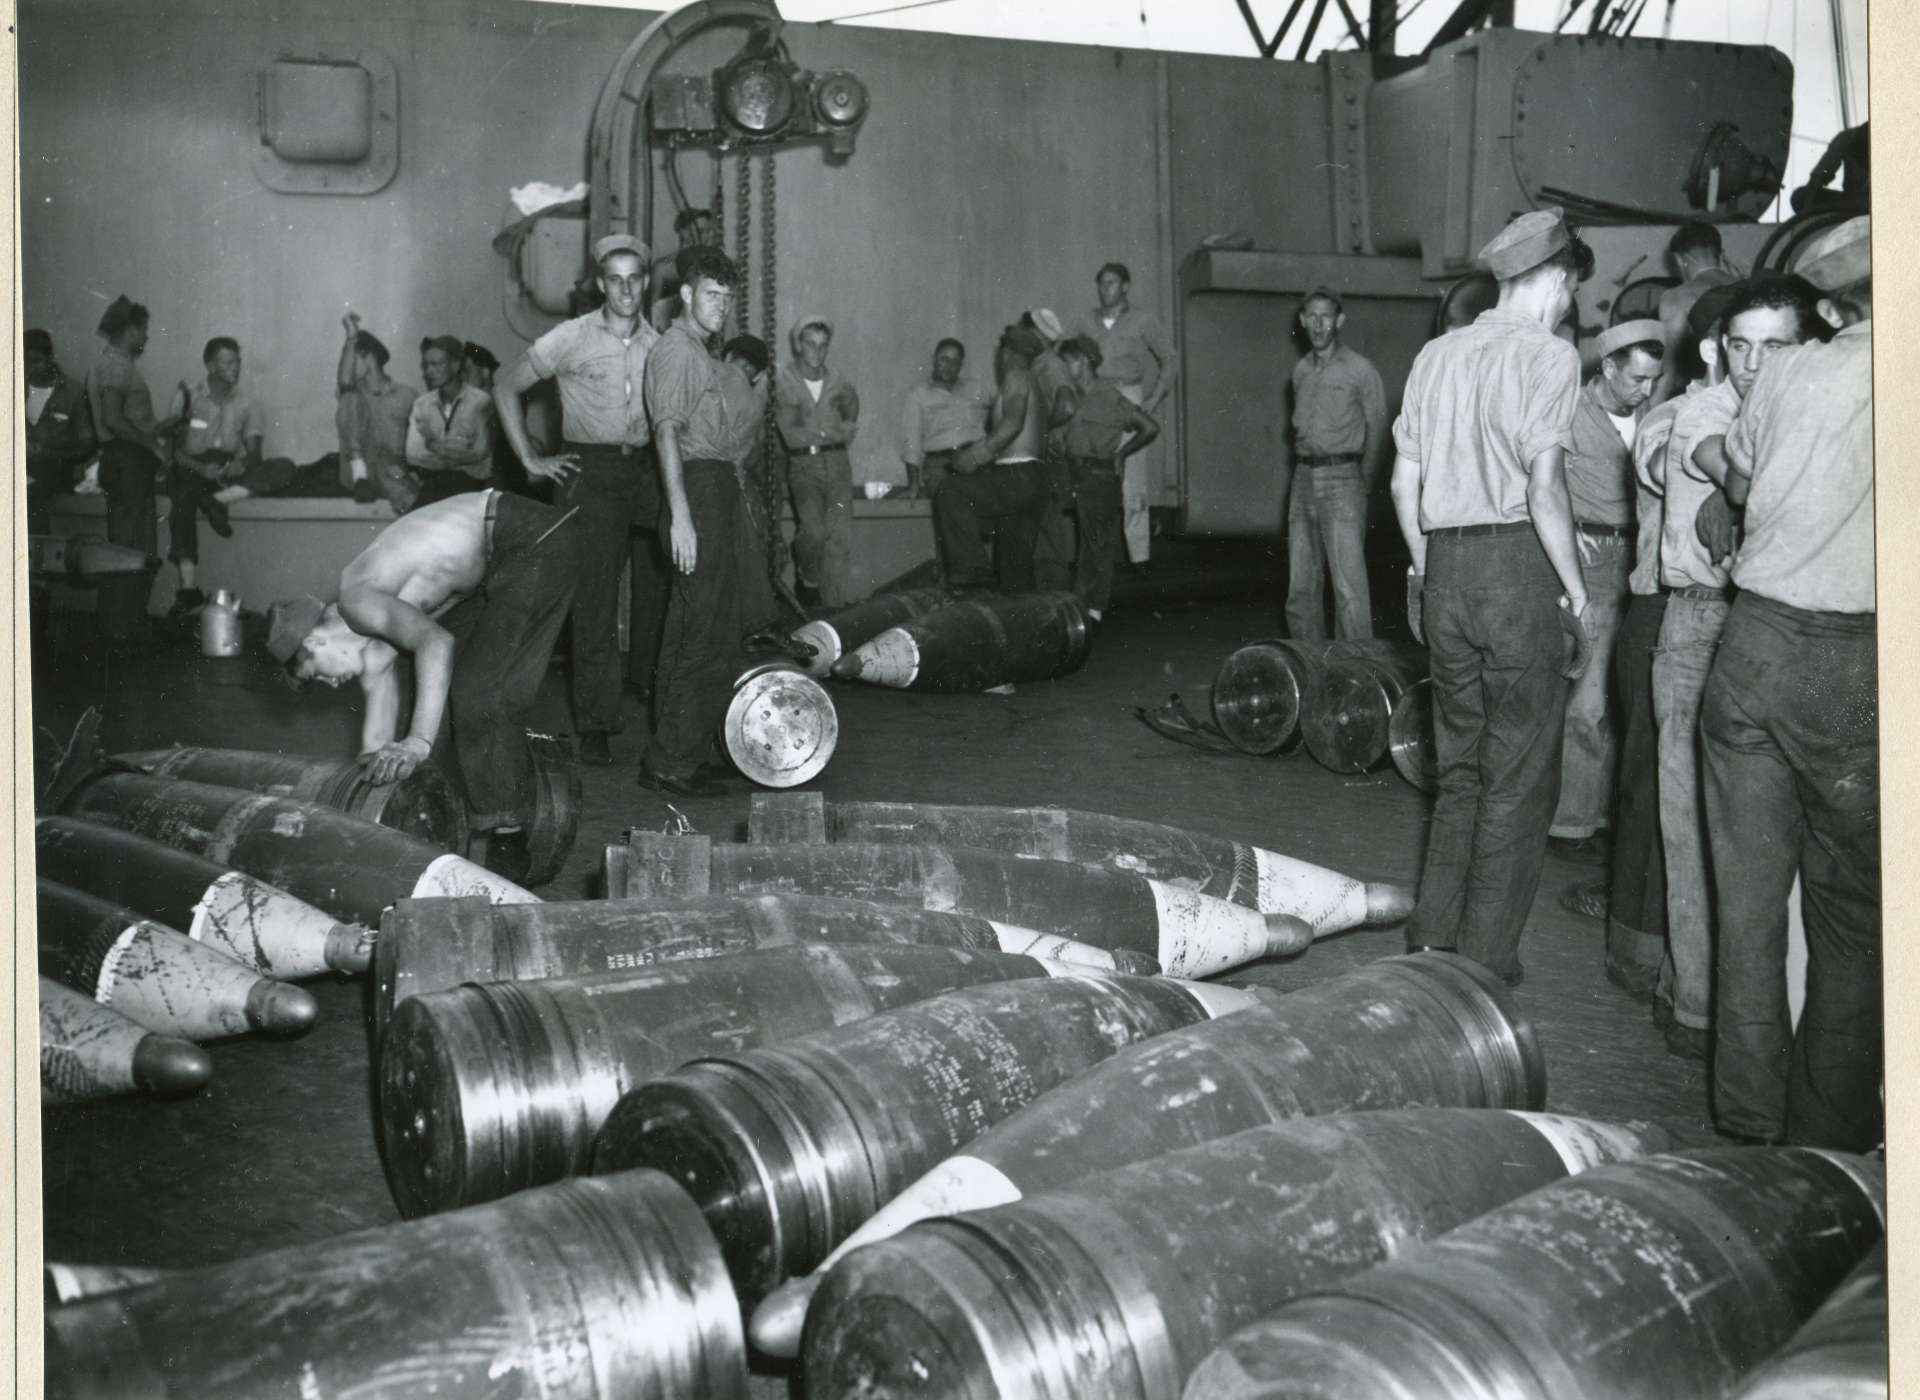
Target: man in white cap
<point x="943" y="413"/>
<point x="1481" y="496"/>
<point x="818" y="413"/>
<point x="1625" y="363"/>
<point x="1789" y="731"/>
<point x="1762" y="318"/>
<point x="599" y="361"/>
<point x="1339" y="427"/>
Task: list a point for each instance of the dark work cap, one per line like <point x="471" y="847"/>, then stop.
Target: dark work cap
<point x="115" y="318"/>
<point x="288" y="623"/>
<point x="1711" y="306"/>
<point x="1323" y="290"/>
<point x="1086" y="347"/>
<point x="1526" y="242"/>
<point x="1024" y="340"/>
<point x="604" y="248"/>
<point x="1839" y="257"/>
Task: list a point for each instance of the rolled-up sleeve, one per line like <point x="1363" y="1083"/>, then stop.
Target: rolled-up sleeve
<point x="1406" y="428"/>
<point x="548" y="354"/>
<point x="1743" y="438"/>
<point x="1553" y="392"/>
<point x="675" y="380"/>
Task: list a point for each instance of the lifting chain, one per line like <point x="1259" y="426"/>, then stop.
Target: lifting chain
<point x="743" y="232"/>
<point x="717" y="225"/>
<point x="773" y="484"/>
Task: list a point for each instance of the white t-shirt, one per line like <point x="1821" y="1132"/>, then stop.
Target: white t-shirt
<point x="816" y="387"/>
<point x="1623" y="424"/>
<point x="37" y="402"/>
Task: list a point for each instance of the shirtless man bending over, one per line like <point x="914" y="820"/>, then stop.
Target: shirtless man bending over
<point x="475" y="587"/>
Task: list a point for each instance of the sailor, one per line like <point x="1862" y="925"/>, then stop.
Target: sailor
<point x="1789" y="732"/>
<point x="1481" y="496"/>
<point x="1599" y="469"/>
<point x="1000" y="480"/>
<point x="599" y="361"/>
<point x="475" y="588"/>
<point x="1763" y="317"/>
<point x="1339" y="424"/>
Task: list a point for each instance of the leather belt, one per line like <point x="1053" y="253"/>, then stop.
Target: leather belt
<point x="1605" y="532"/>
<point x="819" y="450"/>
<point x="1700" y="593"/>
<point x="1504" y="527"/>
<point x="625" y="449"/>
<point x="1326" y="459"/>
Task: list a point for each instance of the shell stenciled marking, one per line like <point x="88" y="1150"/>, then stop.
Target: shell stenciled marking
<point x="1200" y="935"/>
<point x="1582" y="1143"/>
<point x="960" y="1183"/>
<point x="451" y="875"/>
<point x="1325" y="898"/>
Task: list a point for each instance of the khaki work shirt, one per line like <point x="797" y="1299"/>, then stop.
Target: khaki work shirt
<point x="1135" y="349"/>
<point x="1650" y="485"/>
<point x="1805" y="437"/>
<point x="1338" y="407"/>
<point x="602" y="378"/>
<point x="939" y="419"/>
<point x="1684" y="561"/>
<point x="683" y="388"/>
<point x="1481" y="403"/>
<point x="1599" y="464"/>
<point x="1099" y="425"/>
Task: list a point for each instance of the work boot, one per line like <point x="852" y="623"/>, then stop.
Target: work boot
<point x="508" y="854"/>
<point x="365" y="493"/>
<point x="217" y="517"/>
<point x="1588" y="899"/>
<point x="187" y="601"/>
<point x="693" y="785"/>
<point x="1582" y="850"/>
<point x="1688" y="1042"/>
<point x="594" y="749"/>
<point x="806" y="593"/>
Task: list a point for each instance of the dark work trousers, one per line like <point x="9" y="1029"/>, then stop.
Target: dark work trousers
<point x="700" y="652"/>
<point x="610" y="489"/>
<point x="759" y="604"/>
<point x="187" y="493"/>
<point x="1096" y="504"/>
<point x="1789" y="730"/>
<point x="1494" y="645"/>
<point x="650" y="582"/>
<point x="936" y="469"/>
<point x="127" y="472"/>
<point x="1053" y="541"/>
<point x="1009" y="496"/>
<point x="1637" y="889"/>
<point x="438" y="485"/>
<point x="503" y="636"/>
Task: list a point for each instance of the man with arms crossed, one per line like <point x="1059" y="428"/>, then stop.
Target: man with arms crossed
<point x="475" y="588"/>
<point x="1481" y="499"/>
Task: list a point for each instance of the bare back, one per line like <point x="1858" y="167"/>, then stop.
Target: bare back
<point x="430" y="558"/>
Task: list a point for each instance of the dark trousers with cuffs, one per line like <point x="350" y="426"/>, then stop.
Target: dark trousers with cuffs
<point x="614" y="488"/>
<point x="1009" y="496"/>
<point x="127" y="475"/>
<point x="1494" y="646"/>
<point x="504" y="634"/>
<point x="1789" y="727"/>
<point x="700" y="652"/>
<point x="1096" y="504"/>
<point x="1637" y="889"/>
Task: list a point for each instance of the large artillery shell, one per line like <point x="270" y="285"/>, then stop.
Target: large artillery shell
<point x="851" y="628"/>
<point x="1119" y="1285"/>
<point x="422" y="804"/>
<point x="1350" y="708"/>
<point x="1261" y="690"/>
<point x="1841" y="1354"/>
<point x="90" y="1051"/>
<point x="1410" y="737"/>
<point x="247" y="919"/>
<point x="157" y="977"/>
<point x="84" y="558"/>
<point x="426" y="945"/>
<point x="790" y="1147"/>
<point x="351" y="868"/>
<point x="69" y="1283"/>
<point x="1188" y="933"/>
<point x="488" y="1089"/>
<point x="1671" y="1276"/>
<point x="1427" y="1030"/>
<point x="604" y="1288"/>
<point x="1213" y="865"/>
<point x="780" y="727"/>
<point x="975" y="644"/>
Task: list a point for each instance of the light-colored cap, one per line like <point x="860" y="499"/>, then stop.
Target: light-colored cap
<point x="810" y="319"/>
<point x="1048" y="323"/>
<point x="288" y="623"/>
<point x="1526" y="242"/>
<point x="1618" y="337"/>
<point x="619" y="243"/>
<point x="1839" y="257"/>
